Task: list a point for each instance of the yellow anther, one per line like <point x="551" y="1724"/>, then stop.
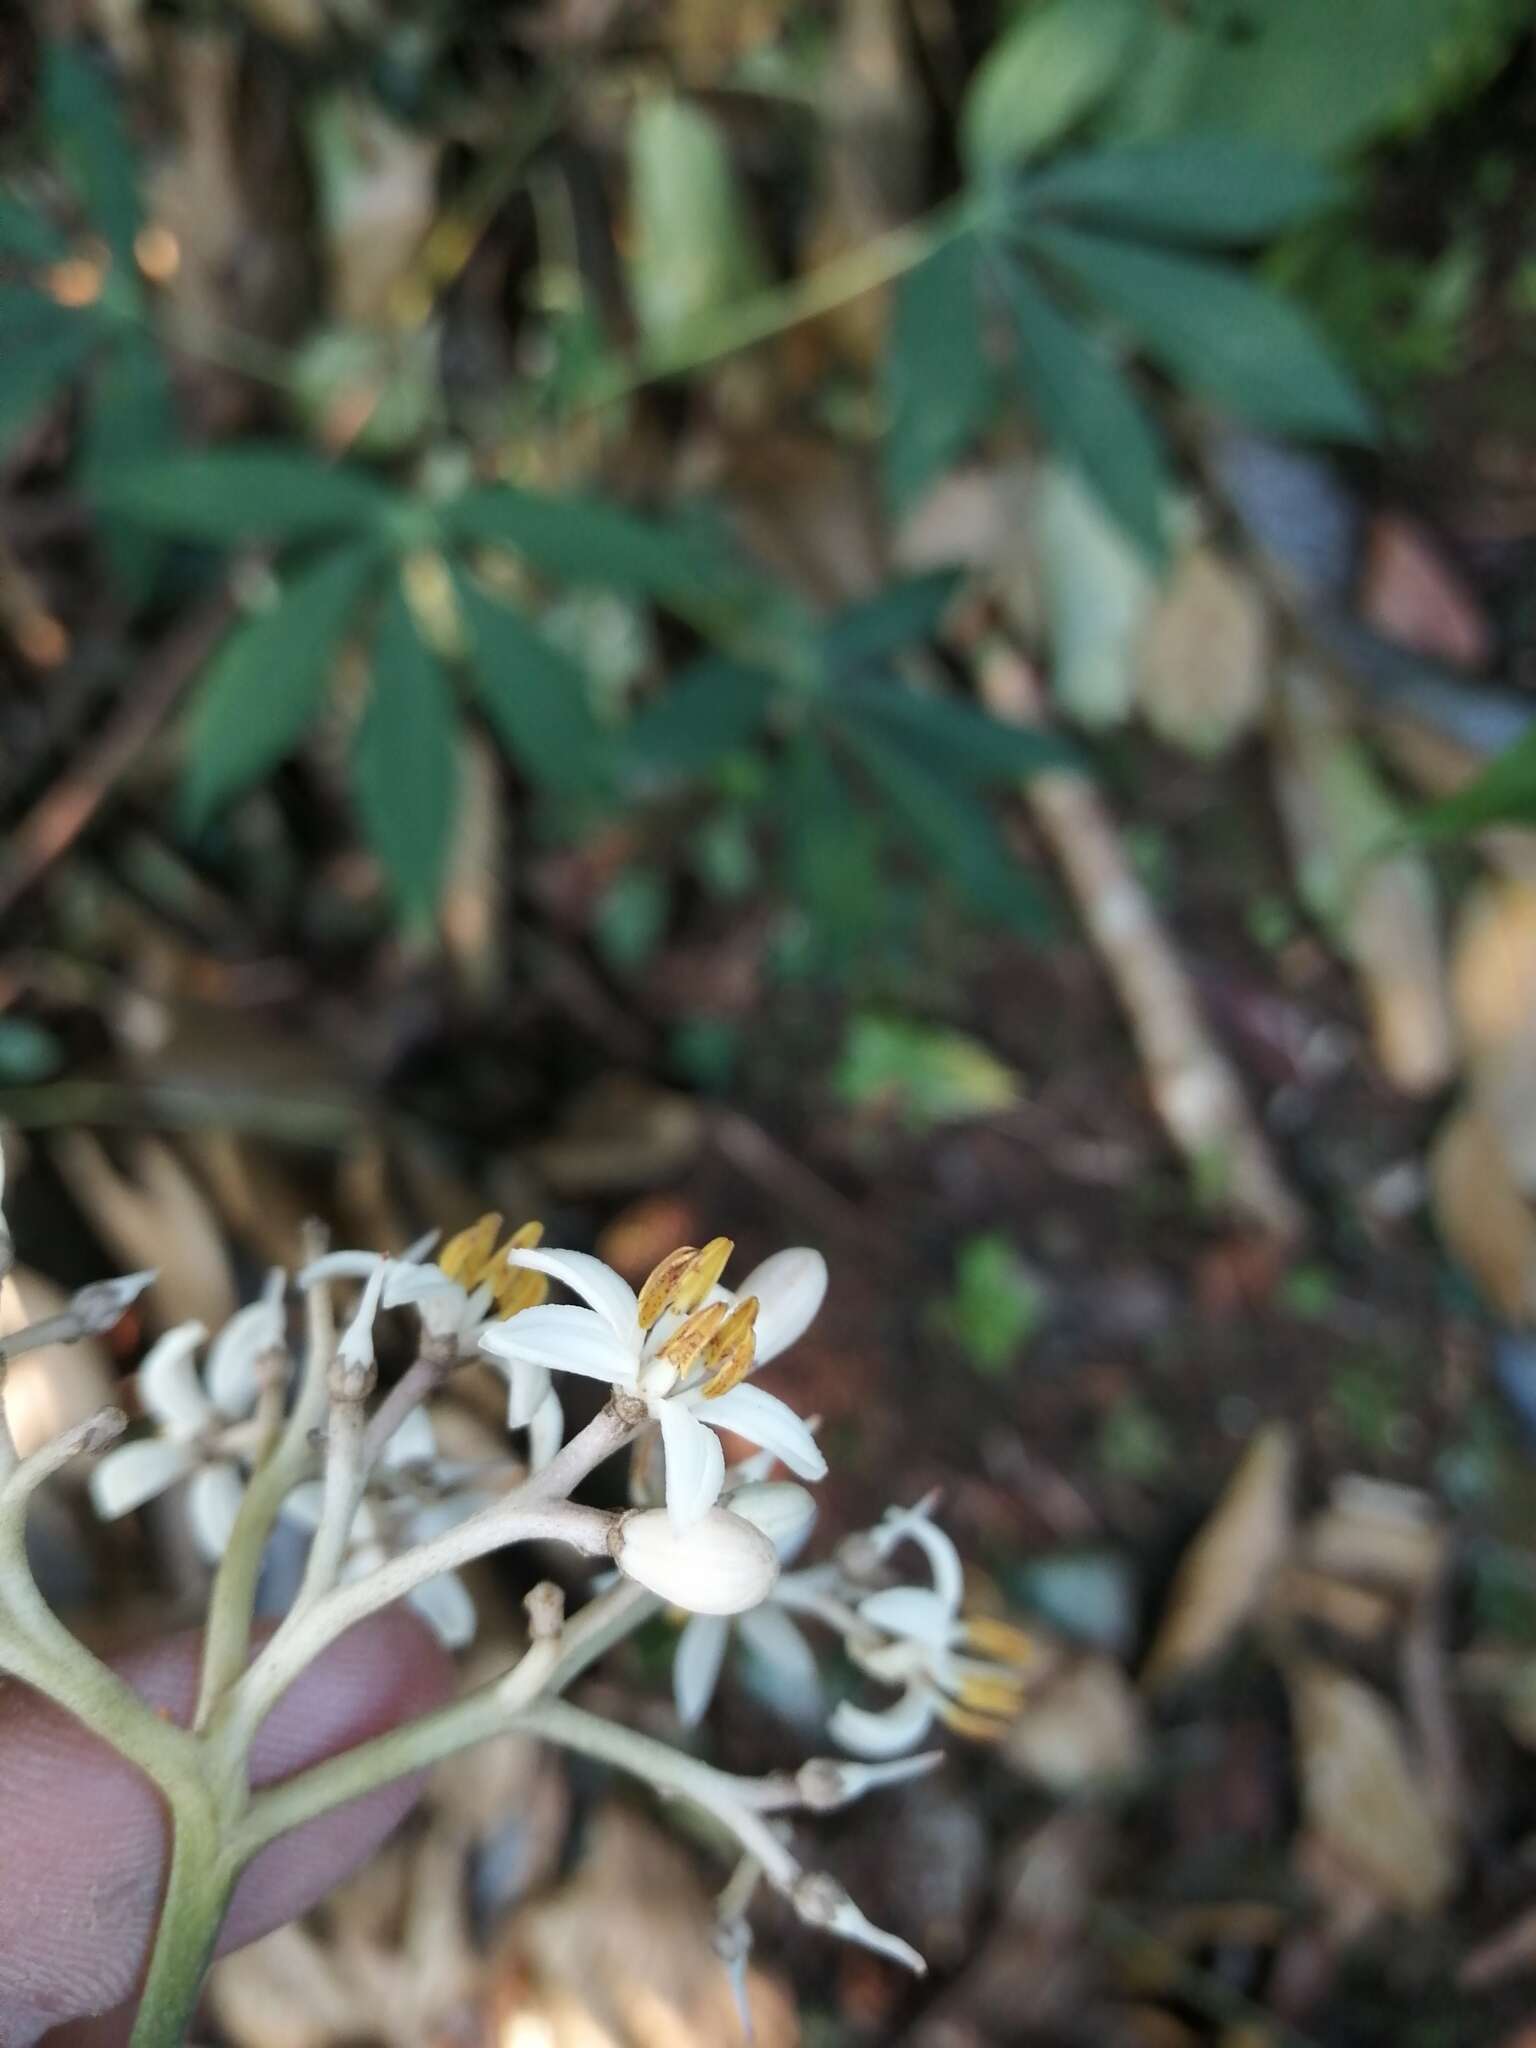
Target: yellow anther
<point x="983" y="1693"/>
<point x="702" y="1274"/>
<point x="735" y="1346"/>
<point x="684" y="1348"/>
<point x="526" y="1238"/>
<point x="975" y="1727"/>
<point x="514" y="1288"/>
<point x="656" y="1294"/>
<point x="464" y="1258"/>
<point x="1002" y="1640"/>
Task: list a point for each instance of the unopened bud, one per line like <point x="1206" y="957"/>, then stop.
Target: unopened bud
<point x="721" y="1564"/>
<point x="828" y="1782"/>
<point x="545" y="1608"/>
<point x="101" y="1305"/>
<point x="821" y="1902"/>
<point x="783" y="1511"/>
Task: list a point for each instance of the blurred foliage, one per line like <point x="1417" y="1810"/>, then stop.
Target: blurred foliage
<point x="440" y="545"/>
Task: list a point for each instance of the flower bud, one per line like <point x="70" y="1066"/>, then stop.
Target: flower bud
<point x="782" y="1511"/>
<point x="721" y="1564"/>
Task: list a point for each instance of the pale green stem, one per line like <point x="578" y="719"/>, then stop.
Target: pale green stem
<point x="345" y="1477"/>
<point x="227" y="1640"/>
<point x="202" y="1876"/>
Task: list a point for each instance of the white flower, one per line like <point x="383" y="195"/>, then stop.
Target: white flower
<point x="683" y="1346"/>
<point x="786" y="1515"/>
<point x="469" y="1288"/>
<point x="720" y="1564"/>
<point x="200" y="1422"/>
<point x="915" y="1637"/>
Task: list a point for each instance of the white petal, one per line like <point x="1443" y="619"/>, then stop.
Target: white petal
<point x="135" y="1473"/>
<point x="356" y="1346"/>
<point x="406" y="1283"/>
<point x="546" y="1432"/>
<point x="249" y="1334"/>
<point x="339" y="1266"/>
<point x="445" y="1606"/>
<point x="413" y="1443"/>
<point x="768" y="1633"/>
<point x="598" y="1285"/>
<point x="785" y="1513"/>
<point x="564" y="1340"/>
<point x="765" y="1420"/>
<point x="213" y="1502"/>
<point x="943" y="1558"/>
<point x="891" y="1733"/>
<point x="696" y="1665"/>
<point x="169" y="1386"/>
<point x="527" y="1388"/>
<point x="911" y="1611"/>
<point x="695" y="1464"/>
<point x="790" y="1288"/>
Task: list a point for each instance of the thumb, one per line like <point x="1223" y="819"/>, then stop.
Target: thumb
<point x="84" y="1834"/>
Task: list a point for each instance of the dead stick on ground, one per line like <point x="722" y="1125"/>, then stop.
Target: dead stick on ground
<point x="1194" y="1090"/>
<point x="58" y="818"/>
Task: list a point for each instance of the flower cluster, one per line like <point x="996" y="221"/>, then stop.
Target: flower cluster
<point x="356" y="1470"/>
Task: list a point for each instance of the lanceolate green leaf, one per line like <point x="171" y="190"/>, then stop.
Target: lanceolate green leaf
<point x="266" y="681"/>
<point x="900" y="616"/>
<point x="533" y="694"/>
<point x="1191" y="188"/>
<point x="1216" y="331"/>
<point x="947" y="737"/>
<point x="581" y="541"/>
<point x="939" y="386"/>
<point x="86" y="127"/>
<point x="231" y="496"/>
<point x="41" y="346"/>
<point x="1043" y="75"/>
<point x="715" y="708"/>
<point x="951" y="827"/>
<point x="130" y="417"/>
<point x="405" y="765"/>
<point x="1505" y="793"/>
<point x="1086" y="408"/>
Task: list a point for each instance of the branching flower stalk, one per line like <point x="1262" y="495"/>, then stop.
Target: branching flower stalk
<point x="254" y="1436"/>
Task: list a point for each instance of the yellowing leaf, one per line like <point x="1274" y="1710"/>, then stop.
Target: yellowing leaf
<point x="1362" y="1794"/>
<point x="1226" y="1571"/>
<point x="1493" y="989"/>
<point x="1482" y="1214"/>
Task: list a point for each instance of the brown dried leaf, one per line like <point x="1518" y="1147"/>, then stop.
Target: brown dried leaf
<point x="1203" y="660"/>
<point x="1362" y="1794"/>
<point x="1383" y="1535"/>
<point x="1493" y="988"/>
<point x="157" y="1216"/>
<point x="1225" y="1573"/>
<point x="1081" y="1728"/>
<point x="1481" y="1213"/>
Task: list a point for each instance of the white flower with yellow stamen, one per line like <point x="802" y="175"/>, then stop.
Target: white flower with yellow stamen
<point x="683" y="1346"/>
<point x="468" y="1288"/>
<point x="970" y="1672"/>
<point x="202" y="1427"/>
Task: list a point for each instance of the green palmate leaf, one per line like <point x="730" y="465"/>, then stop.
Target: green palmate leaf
<point x="231" y="496"/>
<point x="1043" y="75"/>
<point x="266" y="681"/>
<point x="1505" y="793"/>
<point x="1086" y="408"/>
<point x="533" y="694"/>
<point x="405" y="763"/>
<point x="1216" y="331"/>
<point x="951" y="738"/>
<point x="130" y="418"/>
<point x="715" y="708"/>
<point x="949" y="825"/>
<point x="581" y="541"/>
<point x="42" y="345"/>
<point x="939" y="386"/>
<point x="903" y="614"/>
<point x="1191" y="188"/>
<point x="830" y="849"/>
<point x="85" y="126"/>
